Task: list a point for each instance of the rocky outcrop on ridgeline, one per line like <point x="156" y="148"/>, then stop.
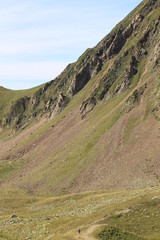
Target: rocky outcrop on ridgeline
<point x="127" y="46"/>
<point x="86" y="72"/>
<point x="116" y="146"/>
<point x="116" y="81"/>
<point x="17" y="114"/>
<point x="129" y="65"/>
<point x="37" y="96"/>
<point x="132" y="26"/>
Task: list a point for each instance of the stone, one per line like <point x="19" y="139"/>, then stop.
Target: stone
<point x="13" y="216"/>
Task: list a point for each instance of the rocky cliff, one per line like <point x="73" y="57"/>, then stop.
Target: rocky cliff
<point x="128" y="49"/>
<point x="95" y="126"/>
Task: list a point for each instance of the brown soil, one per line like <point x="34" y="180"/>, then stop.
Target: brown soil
<point x="116" y="164"/>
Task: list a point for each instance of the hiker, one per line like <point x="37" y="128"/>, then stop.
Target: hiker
<point x="79" y="231"/>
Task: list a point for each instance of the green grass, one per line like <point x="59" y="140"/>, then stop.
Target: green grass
<point x="8" y="96"/>
<point x="114" y="233"/>
<point x="81" y="149"/>
<point x="147" y="110"/>
<point x="8" y="168"/>
<point x="5" y="237"/>
<point x="49" y="217"/>
<point x="131" y="124"/>
<point x="5" y="169"/>
<point x="142" y="220"/>
<point x="43" y="217"/>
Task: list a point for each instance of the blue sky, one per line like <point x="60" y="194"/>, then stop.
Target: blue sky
<point x="38" y="38"/>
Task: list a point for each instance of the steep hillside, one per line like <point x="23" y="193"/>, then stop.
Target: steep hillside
<point x="96" y="126"/>
<point x="120" y="56"/>
<point x="111" y="215"/>
<point x="9" y="98"/>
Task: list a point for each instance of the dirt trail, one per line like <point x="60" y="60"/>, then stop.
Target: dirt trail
<point x="88" y="234"/>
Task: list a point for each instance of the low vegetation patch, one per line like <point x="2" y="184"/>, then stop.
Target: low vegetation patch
<point x="113" y="233"/>
<point x="131" y="124"/>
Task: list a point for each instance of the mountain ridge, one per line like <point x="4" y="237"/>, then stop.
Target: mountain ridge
<point x="77" y="75"/>
<point x="85" y="130"/>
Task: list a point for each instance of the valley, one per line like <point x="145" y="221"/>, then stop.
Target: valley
<point x="41" y="217"/>
<point x="82" y="151"/>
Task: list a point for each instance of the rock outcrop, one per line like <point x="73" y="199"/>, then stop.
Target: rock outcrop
<point x="17" y="114"/>
<point x="125" y="48"/>
<point x="61" y="103"/>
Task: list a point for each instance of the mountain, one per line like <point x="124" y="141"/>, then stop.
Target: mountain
<point x="82" y="151"/>
<point x="94" y="127"/>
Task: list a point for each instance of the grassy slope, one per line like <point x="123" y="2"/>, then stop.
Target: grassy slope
<point x="78" y="150"/>
<point x="75" y="153"/>
<point x="43" y="217"/>
<point x="134" y="213"/>
<point x="8" y="96"/>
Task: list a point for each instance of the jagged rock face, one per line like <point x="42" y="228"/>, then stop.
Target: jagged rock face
<point x="122" y="74"/>
<point x="84" y="74"/>
<point x="80" y="79"/>
<point x="123" y="78"/>
<point x="134" y="99"/>
<point x="37" y="96"/>
<point x="61" y="103"/>
<point x="129" y="72"/>
<point x="126" y="67"/>
<point x="16" y="113"/>
<point x="128" y="46"/>
<point x="117" y="44"/>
